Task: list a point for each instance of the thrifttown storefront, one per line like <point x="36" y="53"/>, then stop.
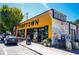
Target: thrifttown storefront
<point x="39" y="27"/>
<point x="50" y="24"/>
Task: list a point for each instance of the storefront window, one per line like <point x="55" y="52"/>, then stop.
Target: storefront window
<point x="38" y="34"/>
<point x="21" y="33"/>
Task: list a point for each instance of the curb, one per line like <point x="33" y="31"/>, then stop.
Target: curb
<point x="31" y="49"/>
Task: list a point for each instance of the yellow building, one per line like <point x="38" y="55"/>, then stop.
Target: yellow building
<point x="50" y="24"/>
<point x="37" y="22"/>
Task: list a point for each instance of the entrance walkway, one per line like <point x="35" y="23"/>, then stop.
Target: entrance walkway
<point x="45" y="50"/>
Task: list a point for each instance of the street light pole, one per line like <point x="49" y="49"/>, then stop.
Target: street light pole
<point x="26" y="16"/>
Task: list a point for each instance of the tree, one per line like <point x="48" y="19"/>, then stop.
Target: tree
<point x="10" y="17"/>
<point x="76" y="22"/>
<point x="71" y="22"/>
<point x="2" y="28"/>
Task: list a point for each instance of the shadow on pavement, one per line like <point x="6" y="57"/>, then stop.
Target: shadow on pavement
<point x="10" y="45"/>
<point x="71" y="51"/>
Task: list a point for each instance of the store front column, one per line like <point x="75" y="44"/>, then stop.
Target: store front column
<point x="16" y="33"/>
<point x="25" y="33"/>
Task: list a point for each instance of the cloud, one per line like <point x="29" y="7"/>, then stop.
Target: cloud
<point x="46" y="6"/>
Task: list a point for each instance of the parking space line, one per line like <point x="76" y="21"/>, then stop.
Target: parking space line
<point x="5" y="52"/>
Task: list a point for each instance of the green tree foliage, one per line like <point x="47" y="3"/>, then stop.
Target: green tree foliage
<point x="77" y="22"/>
<point x="10" y="17"/>
<point x="2" y="28"/>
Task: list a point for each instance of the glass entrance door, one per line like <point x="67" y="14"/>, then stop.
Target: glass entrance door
<point x="38" y="34"/>
<point x="42" y="33"/>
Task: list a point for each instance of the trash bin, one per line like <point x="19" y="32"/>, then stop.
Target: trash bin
<point x="28" y="41"/>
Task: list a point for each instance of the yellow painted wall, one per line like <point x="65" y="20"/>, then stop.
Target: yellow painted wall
<point x="44" y="19"/>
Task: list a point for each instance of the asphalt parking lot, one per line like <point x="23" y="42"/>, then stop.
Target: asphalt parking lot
<point x="15" y="50"/>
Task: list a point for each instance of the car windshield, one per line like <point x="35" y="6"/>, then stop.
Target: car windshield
<point x="11" y="36"/>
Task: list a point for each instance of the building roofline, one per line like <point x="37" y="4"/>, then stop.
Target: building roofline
<point x="41" y="14"/>
<point x="37" y="15"/>
<point x="45" y="12"/>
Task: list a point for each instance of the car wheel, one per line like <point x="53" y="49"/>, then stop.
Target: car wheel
<point x="15" y="43"/>
<point x="5" y="44"/>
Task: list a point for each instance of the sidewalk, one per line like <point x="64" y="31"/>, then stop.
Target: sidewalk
<point x="45" y="50"/>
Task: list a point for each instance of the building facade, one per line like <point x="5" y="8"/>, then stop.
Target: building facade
<point x="50" y="24"/>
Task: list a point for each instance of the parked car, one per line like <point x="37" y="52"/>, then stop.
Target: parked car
<point x="10" y="40"/>
<point x="1" y="37"/>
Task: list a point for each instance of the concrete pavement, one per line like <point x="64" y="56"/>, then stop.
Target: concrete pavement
<point x="18" y="50"/>
<point x="34" y="49"/>
<point x="1" y="49"/>
<point x="45" y="50"/>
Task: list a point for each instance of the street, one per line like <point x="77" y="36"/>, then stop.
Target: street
<point x="15" y="50"/>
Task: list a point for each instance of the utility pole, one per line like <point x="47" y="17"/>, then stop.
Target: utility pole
<point x="26" y="15"/>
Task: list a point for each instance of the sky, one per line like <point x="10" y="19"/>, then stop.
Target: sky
<point x="71" y="10"/>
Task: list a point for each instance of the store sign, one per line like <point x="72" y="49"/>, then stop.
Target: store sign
<point x="32" y="23"/>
